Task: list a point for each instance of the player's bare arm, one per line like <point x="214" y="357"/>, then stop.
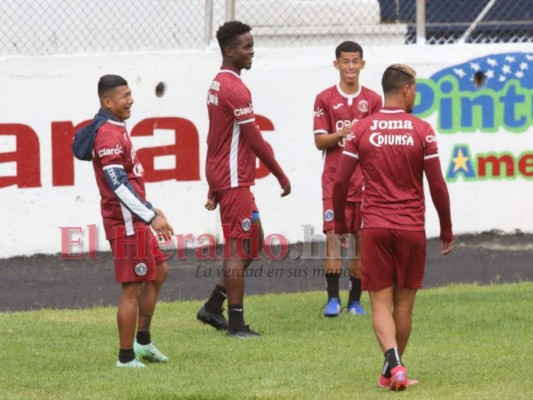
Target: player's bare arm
<point x="257" y="144"/>
<point x="325" y="141"/>
<point x="161" y="225"/>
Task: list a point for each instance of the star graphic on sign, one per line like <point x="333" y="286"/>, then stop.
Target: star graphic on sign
<point x="492" y="62"/>
<point x="529" y="57"/>
<point x="474" y="66"/>
<point x="519" y="74"/>
<point x="523" y="66"/>
<point x="489" y="74"/>
<point x="510" y="59"/>
<point x="460" y="161"/>
<point x="506" y="69"/>
<point x="459" y="72"/>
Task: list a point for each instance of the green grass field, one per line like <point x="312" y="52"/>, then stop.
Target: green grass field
<point x="468" y="342"/>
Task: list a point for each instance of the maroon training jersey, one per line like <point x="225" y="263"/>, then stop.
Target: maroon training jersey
<point x="391" y="147"/>
<point x="113" y="150"/>
<point x="333" y="110"/>
<point x="230" y="161"/>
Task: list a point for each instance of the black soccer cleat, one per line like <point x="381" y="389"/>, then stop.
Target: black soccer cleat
<point x="216" y="320"/>
<point x="243" y="333"/>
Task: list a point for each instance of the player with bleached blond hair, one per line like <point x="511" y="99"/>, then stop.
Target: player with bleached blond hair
<point x="394" y="150"/>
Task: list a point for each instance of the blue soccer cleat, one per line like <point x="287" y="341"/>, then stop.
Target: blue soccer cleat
<point x="333" y="308"/>
<point x="356" y="309"/>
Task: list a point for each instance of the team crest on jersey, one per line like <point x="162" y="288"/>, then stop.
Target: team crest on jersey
<point x="141" y="269"/>
<point x="328" y="215"/>
<point x="246" y="224"/>
<point x="138" y="169"/>
<point x="363" y="106"/>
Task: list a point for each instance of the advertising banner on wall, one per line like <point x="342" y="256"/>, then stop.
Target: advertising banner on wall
<point x="479" y="99"/>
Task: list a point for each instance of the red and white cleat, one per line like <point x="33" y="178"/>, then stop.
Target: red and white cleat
<point x="398" y="381"/>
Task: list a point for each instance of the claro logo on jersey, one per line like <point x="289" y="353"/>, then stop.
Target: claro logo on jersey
<point x="489" y="98"/>
<point x="109" y="152"/>
<point x="318" y="113"/>
<point x="243" y="111"/>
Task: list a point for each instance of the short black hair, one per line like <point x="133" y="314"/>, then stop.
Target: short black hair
<point x="229" y="31"/>
<point x="348" y="47"/>
<point x="397" y="76"/>
<point x="108" y="82"/>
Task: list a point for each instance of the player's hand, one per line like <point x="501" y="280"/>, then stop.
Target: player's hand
<point x="210" y="204"/>
<point x="446" y="247"/>
<point x="345" y="131"/>
<point x="342" y="240"/>
<point x="161" y="226"/>
<point x="286" y="190"/>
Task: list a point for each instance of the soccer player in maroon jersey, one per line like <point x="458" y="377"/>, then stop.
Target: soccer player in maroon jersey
<point x="337" y="109"/>
<point x="394" y="149"/>
<point x="233" y="143"/>
<point x="140" y="267"/>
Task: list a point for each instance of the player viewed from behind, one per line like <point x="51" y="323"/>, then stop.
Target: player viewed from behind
<point x="394" y="149"/>
<point x="233" y="143"/>
<point x="337" y="109"/>
<point x="140" y="266"/>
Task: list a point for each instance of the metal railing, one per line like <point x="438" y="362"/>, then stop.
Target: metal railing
<point x="35" y="27"/>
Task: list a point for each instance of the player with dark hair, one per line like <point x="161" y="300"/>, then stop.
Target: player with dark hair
<point x="140" y="266"/>
<point x="394" y="149"/>
<point x="337" y="109"/>
<point x="233" y="143"/>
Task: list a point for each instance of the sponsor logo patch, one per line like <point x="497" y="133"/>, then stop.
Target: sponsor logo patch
<point x="243" y="111"/>
<point x="329" y="215"/>
<point x="378" y="140"/>
<point x="108" y="152"/>
<point x="318" y="113"/>
<point x="212" y="99"/>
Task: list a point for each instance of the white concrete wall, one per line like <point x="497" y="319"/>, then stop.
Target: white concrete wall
<point x="37" y="91"/>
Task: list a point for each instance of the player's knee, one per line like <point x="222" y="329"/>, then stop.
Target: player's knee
<point x="162" y="272"/>
<point x="332" y="267"/>
<point x="130" y="292"/>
